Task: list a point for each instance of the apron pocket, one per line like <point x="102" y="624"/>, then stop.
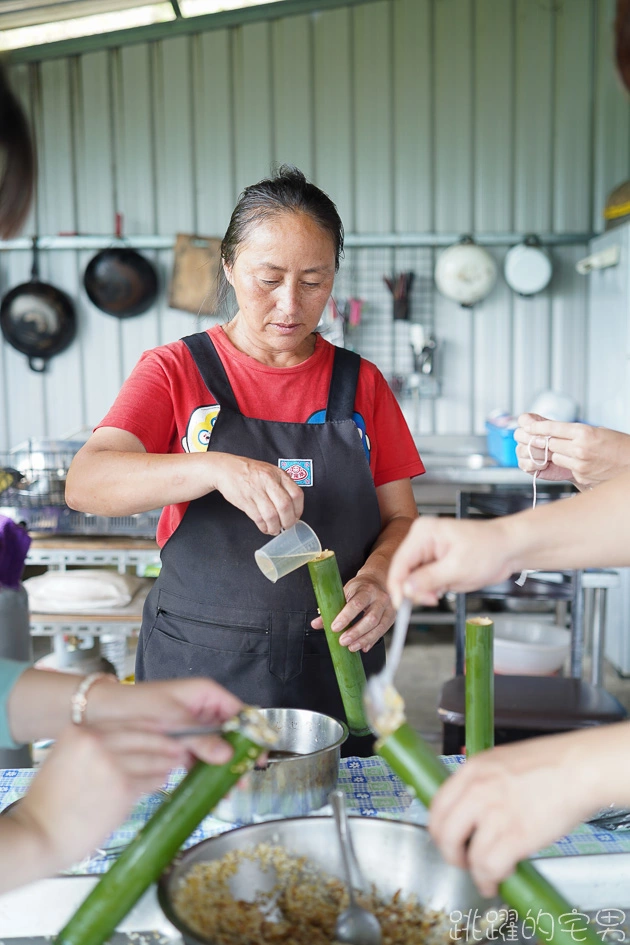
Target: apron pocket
<point x="234" y="656"/>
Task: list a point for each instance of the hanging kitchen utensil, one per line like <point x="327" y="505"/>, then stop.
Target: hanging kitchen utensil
<point x="120" y="281"/>
<point x="195" y="269"/>
<point x="527" y="267"/>
<point x="400" y="287"/>
<point x="37" y="319"/>
<point x="465" y="272"/>
<point x="617" y="209"/>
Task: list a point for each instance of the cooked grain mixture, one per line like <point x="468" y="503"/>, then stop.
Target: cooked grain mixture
<point x="309" y="902"/>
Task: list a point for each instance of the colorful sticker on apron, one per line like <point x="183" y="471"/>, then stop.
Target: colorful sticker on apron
<point x="300" y="470"/>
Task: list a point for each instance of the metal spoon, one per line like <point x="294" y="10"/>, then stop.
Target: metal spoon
<point x="355" y="924"/>
<point x="374" y="692"/>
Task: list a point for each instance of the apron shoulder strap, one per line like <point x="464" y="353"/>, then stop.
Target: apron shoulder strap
<point x="343" y="385"/>
<point x="210" y="366"/>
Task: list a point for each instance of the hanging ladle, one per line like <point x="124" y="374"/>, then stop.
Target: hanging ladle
<point x="355" y="925"/>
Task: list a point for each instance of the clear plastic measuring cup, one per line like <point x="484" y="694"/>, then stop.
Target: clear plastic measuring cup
<point x="287" y="551"/>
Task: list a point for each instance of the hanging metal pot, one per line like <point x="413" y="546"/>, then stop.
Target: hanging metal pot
<point x="38" y="319"/>
<point x="465" y="273"/>
<point x="120" y="281"/>
<point x="527" y="267"/>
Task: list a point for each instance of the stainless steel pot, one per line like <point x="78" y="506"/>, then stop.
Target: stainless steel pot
<point x="44" y="464"/>
<point x="294" y="786"/>
<point x="393" y="856"/>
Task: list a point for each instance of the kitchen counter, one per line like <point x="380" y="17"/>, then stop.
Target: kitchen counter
<point x="453" y="463"/>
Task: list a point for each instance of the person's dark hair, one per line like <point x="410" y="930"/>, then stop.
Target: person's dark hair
<point x="17" y="161"/>
<point x="287" y="190"/>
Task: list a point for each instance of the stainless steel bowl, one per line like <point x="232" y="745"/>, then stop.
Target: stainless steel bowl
<point x="290" y="787"/>
<point x="393" y="856"/>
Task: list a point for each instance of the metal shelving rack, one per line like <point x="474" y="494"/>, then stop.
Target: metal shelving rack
<point x="123" y="557"/>
<point x="113" y="628"/>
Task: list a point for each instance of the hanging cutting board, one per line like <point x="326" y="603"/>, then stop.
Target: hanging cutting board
<point x="193" y="285"/>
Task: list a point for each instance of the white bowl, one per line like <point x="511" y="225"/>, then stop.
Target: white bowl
<point x="529" y="648"/>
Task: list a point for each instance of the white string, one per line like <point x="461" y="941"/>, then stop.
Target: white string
<point x="541" y="465"/>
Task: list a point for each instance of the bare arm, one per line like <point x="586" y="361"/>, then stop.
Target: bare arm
<point x="96" y="771"/>
<point x="509" y="802"/>
<point x="367" y="592"/>
<point x="114" y="475"/>
<point x="39" y="707"/>
<point x="589" y="530"/>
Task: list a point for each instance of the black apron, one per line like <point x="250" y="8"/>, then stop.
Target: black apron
<point x="211" y="611"/>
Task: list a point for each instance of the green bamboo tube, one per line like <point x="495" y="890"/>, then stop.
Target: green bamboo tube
<point x="526" y="891"/>
<point x="348" y="666"/>
<point x="142" y="862"/>
<point x="479" y="685"/>
<point x="414" y="762"/>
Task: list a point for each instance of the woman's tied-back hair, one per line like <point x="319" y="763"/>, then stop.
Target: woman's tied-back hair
<point x="287" y="191"/>
<point x="17" y="161"/>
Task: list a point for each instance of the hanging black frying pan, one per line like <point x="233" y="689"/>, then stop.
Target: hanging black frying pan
<point x="120" y="281"/>
<point x="37" y="319"/>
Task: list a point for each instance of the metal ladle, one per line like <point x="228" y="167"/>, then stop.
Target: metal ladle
<point x="355" y="925"/>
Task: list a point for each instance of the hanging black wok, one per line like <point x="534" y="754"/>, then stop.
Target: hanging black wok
<point x="121" y="282"/>
<point x="37" y="319"/>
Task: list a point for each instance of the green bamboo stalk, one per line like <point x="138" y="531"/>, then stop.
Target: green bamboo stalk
<point x="479" y="685"/>
<point x="526" y="891"/>
<point x="414" y="762"/>
<point x="348" y="666"/>
<point x="142" y="862"/>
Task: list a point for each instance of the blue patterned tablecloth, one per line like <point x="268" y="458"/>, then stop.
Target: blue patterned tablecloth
<point x="371" y="790"/>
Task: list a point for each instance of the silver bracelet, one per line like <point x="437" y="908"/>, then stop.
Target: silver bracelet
<point x="78" y="700"/>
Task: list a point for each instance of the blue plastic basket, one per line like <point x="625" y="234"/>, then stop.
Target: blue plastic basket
<point x="501" y="444"/>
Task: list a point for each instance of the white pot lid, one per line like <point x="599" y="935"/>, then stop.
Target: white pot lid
<point x="465" y="273"/>
<point x="527" y="269"/>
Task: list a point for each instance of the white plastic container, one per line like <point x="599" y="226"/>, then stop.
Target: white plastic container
<point x="528" y="648"/>
<point x="287" y="551"/>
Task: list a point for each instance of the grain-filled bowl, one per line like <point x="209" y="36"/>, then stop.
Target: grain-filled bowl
<point x="301" y="772"/>
<point x="427" y="898"/>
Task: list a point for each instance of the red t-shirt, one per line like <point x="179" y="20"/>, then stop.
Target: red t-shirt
<point x="165" y="403"/>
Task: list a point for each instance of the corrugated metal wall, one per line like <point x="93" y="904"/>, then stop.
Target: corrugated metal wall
<point x="415" y="115"/>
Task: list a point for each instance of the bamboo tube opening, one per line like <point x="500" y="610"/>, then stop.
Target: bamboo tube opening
<point x="323" y="555"/>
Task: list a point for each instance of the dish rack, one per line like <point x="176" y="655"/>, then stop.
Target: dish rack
<point x="38" y="503"/>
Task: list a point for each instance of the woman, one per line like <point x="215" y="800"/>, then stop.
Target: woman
<point x="241" y="430"/>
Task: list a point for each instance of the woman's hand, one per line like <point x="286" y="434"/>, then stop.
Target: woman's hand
<point x="442" y="554"/>
<point x="578" y="452"/>
<point x="162" y="706"/>
<point x="84" y="789"/>
<point x="368" y="596"/>
<point x="265" y="493"/>
<point x="509" y="802"/>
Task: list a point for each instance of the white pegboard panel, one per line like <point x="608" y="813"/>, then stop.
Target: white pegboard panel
<point x="380" y="338"/>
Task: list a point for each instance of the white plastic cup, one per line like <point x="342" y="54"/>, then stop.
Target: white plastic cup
<point x="287" y="551"/>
